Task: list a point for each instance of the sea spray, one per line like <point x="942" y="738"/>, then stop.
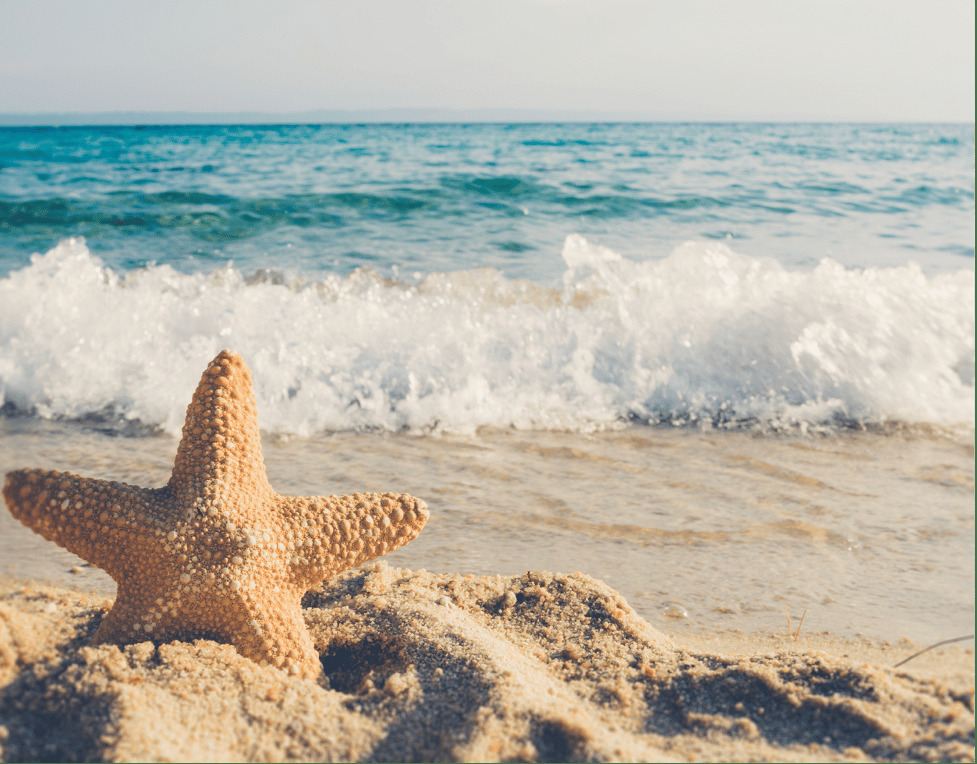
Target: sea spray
<point x="704" y="336"/>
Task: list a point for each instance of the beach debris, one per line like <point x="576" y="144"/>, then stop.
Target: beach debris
<point x="216" y="553"/>
<point x="675" y="611"/>
<point x="794" y="635"/>
<point x="931" y="647"/>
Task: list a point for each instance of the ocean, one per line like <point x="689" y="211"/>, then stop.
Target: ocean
<point x="726" y="368"/>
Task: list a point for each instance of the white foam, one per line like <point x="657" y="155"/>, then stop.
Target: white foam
<point x="704" y="335"/>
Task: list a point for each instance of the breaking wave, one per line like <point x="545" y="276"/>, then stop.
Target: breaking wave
<point x="705" y="336"/>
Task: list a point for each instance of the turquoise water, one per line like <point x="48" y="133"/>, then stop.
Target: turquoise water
<point x="312" y="200"/>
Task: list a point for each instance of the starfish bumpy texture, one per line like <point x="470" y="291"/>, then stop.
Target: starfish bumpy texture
<point x="216" y="553"/>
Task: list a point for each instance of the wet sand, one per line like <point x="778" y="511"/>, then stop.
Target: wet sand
<point x="421" y="666"/>
<point x="727" y="527"/>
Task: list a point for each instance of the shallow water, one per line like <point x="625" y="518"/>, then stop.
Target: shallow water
<point x="871" y="533"/>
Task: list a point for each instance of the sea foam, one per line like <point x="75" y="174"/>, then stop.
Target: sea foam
<point x="704" y="336"/>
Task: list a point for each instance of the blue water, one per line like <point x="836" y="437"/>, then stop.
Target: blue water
<point x="327" y="199"/>
<point x="543" y="276"/>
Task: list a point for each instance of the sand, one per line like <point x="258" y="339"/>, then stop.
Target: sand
<point x="418" y="666"/>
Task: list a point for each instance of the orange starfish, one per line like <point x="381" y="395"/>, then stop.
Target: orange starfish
<point x="216" y="553"/>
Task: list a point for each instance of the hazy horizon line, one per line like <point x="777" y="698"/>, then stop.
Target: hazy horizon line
<point x="397" y="115"/>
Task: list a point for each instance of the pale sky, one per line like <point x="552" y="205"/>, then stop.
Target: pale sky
<point x="672" y="59"/>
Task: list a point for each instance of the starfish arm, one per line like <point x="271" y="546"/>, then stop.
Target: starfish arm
<point x="219" y="457"/>
<point x="98" y="520"/>
<point x="273" y="632"/>
<point x="327" y="535"/>
<point x="123" y="624"/>
<point x="267" y="629"/>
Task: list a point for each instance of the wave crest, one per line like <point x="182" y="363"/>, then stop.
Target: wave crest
<point x="705" y="335"/>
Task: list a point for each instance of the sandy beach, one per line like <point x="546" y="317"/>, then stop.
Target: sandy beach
<point x="425" y="667"/>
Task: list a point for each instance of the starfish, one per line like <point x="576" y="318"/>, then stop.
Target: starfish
<point x="215" y="553"/>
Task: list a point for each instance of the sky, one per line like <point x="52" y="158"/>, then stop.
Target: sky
<point x="828" y="60"/>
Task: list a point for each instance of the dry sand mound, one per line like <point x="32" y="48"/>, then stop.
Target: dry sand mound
<point x="443" y="667"/>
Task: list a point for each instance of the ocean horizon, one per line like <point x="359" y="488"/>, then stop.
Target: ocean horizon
<point x="406" y="116"/>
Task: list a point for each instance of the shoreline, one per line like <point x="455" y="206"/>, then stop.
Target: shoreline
<point x="662" y="516"/>
<point x="423" y="666"/>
